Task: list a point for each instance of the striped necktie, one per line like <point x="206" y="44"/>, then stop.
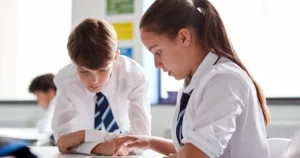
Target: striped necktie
<point x="103" y="114"/>
<point x="183" y="103"/>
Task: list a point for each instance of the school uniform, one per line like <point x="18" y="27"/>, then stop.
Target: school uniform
<point x="44" y="123"/>
<point x="122" y="107"/>
<point x="219" y="112"/>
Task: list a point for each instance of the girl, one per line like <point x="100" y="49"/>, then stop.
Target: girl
<point x="221" y="111"/>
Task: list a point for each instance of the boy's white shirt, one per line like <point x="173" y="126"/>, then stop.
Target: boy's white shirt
<point x="127" y="92"/>
<point x="44" y="123"/>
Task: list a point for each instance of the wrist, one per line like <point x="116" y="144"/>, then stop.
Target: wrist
<point x="97" y="149"/>
<point x="82" y="136"/>
<point x="151" y="143"/>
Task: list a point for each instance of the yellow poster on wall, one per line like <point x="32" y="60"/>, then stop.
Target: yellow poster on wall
<point x="124" y="30"/>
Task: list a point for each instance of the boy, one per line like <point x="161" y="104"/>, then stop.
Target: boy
<point x="44" y="89"/>
<point x="100" y="95"/>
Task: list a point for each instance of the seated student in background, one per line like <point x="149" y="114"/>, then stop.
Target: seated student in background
<point x="44" y="89"/>
<point x="221" y="110"/>
<point x="102" y="94"/>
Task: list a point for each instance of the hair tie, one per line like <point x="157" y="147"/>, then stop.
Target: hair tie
<point x="200" y="10"/>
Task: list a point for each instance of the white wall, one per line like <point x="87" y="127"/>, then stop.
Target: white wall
<point x="265" y="34"/>
<point x="42" y="37"/>
<point x="8" y="38"/>
<point x="33" y="37"/>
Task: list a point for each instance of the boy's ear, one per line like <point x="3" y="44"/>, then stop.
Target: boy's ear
<point x="51" y="92"/>
<point x="117" y="55"/>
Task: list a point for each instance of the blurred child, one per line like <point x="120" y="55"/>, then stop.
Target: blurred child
<point x="44" y="89"/>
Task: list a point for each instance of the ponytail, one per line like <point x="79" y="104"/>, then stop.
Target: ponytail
<point x="218" y="41"/>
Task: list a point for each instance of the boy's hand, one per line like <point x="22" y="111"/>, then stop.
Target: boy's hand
<point x="107" y="149"/>
<point x="66" y="142"/>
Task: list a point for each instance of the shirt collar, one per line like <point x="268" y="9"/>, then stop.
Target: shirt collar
<point x="52" y="101"/>
<point x="111" y="86"/>
<point x="207" y="62"/>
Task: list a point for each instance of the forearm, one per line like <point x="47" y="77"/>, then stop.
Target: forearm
<point x="97" y="150"/>
<point x="104" y="148"/>
<point x="85" y="148"/>
<point x="190" y="151"/>
<point x="162" y="145"/>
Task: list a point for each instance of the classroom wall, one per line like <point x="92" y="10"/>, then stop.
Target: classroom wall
<point x="32" y="42"/>
<point x="24" y="116"/>
<point x="8" y="36"/>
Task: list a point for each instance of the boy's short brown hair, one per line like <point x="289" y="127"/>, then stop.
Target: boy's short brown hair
<point x="42" y="83"/>
<point x="92" y="43"/>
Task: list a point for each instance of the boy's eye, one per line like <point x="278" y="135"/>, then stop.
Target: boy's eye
<point x="83" y="72"/>
<point x="157" y="53"/>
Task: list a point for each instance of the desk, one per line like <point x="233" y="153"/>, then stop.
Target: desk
<point x="52" y="152"/>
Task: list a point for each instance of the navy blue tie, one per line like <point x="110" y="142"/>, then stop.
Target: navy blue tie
<point x="103" y="114"/>
<point x="183" y="103"/>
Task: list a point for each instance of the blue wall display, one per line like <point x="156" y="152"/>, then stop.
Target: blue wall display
<point x="126" y="51"/>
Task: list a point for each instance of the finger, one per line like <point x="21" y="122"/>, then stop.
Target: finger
<point x="66" y="150"/>
<point x="62" y="147"/>
<point x="123" y="140"/>
<point x="119" y="142"/>
<point x="123" y="151"/>
<point x="171" y="156"/>
<point x="126" y="151"/>
<point x="69" y="149"/>
<point x="117" y="149"/>
<point x="62" y="150"/>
